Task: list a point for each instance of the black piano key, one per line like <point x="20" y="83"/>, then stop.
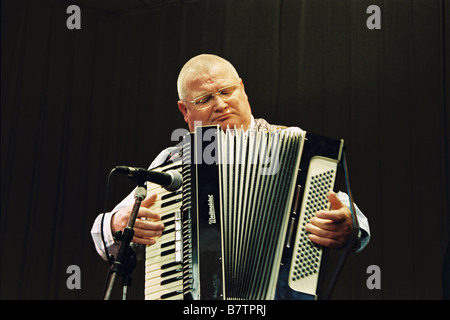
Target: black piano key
<point x="168" y="203"/>
<point x="170" y="195"/>
<point x="167" y="216"/>
<point x="169" y="273"/>
<point x="167" y="244"/>
<point x="167" y="231"/>
<point x="169" y="223"/>
<point x="166" y="252"/>
<point x="167" y="281"/>
<point x="171" y="294"/>
<point x="170" y="264"/>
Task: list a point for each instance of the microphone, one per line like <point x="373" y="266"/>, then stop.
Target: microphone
<point x="170" y="180"/>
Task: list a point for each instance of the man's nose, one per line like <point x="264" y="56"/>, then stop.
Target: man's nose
<point x="219" y="103"/>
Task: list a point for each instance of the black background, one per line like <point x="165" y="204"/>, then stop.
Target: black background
<point x="76" y="103"/>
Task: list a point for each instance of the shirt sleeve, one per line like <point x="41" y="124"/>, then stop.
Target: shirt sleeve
<point x="364" y="230"/>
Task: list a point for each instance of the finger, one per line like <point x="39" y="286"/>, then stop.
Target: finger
<point x="326" y="224"/>
<point x="319" y="232"/>
<point x="334" y="215"/>
<point x="148" y="214"/>
<point x="325" y="238"/>
<point x="334" y="201"/>
<point x="147" y="225"/>
<point x="325" y="242"/>
<point x="333" y="235"/>
<point x="147" y="202"/>
<point x="148" y="233"/>
<point x="145" y="241"/>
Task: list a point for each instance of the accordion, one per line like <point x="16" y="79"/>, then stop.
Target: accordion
<point x="236" y="227"/>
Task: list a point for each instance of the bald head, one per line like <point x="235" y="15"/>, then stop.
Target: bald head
<point x="205" y="75"/>
<point x="201" y="64"/>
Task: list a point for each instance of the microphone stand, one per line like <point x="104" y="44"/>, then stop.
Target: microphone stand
<point x="126" y="260"/>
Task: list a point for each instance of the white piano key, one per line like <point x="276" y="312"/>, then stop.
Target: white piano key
<point x="157" y="291"/>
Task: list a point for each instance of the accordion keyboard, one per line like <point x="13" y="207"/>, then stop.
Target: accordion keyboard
<point x="163" y="260"/>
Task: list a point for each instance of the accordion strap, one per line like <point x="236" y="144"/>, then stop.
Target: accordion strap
<point x="354" y="236"/>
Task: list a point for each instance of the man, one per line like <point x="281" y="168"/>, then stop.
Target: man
<point x="211" y="92"/>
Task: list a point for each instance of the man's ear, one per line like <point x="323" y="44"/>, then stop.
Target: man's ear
<point x="182" y="107"/>
<point x="243" y="88"/>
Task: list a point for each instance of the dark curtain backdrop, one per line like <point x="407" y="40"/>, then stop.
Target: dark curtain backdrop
<point x="76" y="103"/>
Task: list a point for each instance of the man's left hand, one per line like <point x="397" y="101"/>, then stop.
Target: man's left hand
<point x="331" y="228"/>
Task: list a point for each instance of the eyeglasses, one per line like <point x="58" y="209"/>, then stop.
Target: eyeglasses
<point x="207" y="100"/>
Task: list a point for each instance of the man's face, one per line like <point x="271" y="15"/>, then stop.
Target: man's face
<point x="223" y="109"/>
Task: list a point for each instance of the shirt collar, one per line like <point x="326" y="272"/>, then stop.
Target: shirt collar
<point x="252" y="124"/>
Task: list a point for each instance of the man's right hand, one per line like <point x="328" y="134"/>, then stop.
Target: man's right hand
<point x="145" y="230"/>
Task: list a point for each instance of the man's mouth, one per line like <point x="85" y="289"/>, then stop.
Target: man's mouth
<point x="223" y="117"/>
